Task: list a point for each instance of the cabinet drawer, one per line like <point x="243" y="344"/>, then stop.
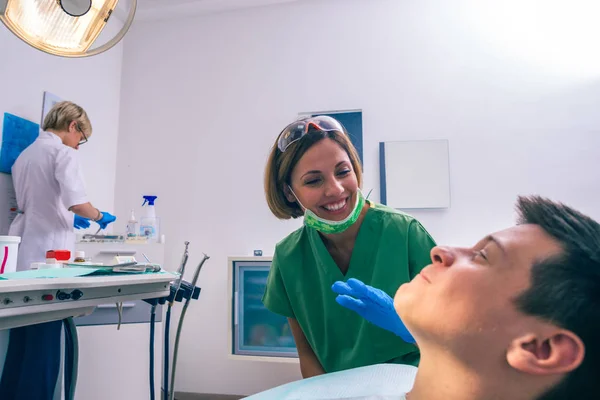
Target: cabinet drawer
<point x="134" y="312"/>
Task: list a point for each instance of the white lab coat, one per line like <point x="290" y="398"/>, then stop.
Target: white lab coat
<point x="48" y="181"/>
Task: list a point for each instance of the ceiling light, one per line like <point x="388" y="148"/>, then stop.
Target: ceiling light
<point x="68" y="28"/>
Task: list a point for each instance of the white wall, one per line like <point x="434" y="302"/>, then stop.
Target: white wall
<point x="94" y="83"/>
<point x="203" y="99"/>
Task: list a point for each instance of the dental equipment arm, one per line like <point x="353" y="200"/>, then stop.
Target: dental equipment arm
<point x="180" y="325"/>
<point x="372" y="304"/>
<point x="180" y="291"/>
<point x="177" y="287"/>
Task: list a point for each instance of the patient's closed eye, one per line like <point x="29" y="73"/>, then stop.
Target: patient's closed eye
<point x="481" y="254"/>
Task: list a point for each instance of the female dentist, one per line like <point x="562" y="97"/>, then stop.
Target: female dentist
<point x="50" y="189"/>
<point x="314" y="171"/>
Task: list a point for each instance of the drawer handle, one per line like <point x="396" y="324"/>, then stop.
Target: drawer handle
<point x="125" y="305"/>
<point x="236" y="300"/>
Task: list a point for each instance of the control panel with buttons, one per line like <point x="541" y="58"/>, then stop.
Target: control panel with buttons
<point x="32" y="298"/>
<point x="81" y="291"/>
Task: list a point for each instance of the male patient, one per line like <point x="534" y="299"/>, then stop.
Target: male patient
<point x="515" y="317"/>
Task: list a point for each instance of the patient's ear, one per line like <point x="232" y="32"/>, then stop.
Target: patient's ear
<point x="561" y="351"/>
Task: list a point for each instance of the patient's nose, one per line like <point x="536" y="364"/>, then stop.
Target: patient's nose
<point x="443" y="255"/>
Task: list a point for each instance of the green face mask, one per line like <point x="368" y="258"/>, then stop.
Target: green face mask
<point x="327" y="226"/>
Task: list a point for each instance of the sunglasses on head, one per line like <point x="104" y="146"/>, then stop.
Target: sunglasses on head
<point x="298" y="129"/>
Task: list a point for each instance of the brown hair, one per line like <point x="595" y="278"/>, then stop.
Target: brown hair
<point x="280" y="165"/>
<point x="62" y="114"/>
<point x="565" y="289"/>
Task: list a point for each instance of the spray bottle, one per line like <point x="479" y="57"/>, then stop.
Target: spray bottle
<point x="149" y="223"/>
<point x="132" y="226"/>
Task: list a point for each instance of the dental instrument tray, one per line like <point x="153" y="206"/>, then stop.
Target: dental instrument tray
<point x="123" y="267"/>
<point x="87" y="238"/>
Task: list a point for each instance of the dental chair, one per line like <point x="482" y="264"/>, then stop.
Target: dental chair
<point x="374" y="382"/>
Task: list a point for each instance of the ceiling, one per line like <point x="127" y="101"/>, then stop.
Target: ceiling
<point x="164" y="9"/>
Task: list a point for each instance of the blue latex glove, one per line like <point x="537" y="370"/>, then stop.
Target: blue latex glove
<point x="372" y="304"/>
<point x="106" y="219"/>
<point x="81" y="223"/>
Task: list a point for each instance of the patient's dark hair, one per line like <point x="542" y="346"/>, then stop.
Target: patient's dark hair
<point x="565" y="290"/>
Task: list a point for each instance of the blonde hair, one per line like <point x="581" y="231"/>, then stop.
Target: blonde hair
<point x="62" y="114"/>
<point x="280" y="165"/>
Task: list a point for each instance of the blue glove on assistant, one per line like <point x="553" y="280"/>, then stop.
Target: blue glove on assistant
<point x="372" y="304"/>
<point x="81" y="223"/>
<point x="106" y="219"/>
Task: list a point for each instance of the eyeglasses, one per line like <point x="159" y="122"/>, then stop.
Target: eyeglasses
<point x="85" y="139"/>
<point x="298" y="129"/>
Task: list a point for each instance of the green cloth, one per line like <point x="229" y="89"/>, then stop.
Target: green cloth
<point x="390" y="249"/>
<point x="64" y="273"/>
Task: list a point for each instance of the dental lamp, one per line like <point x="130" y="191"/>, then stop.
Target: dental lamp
<point x="66" y="28"/>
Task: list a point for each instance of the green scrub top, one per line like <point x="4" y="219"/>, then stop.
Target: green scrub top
<point x="390" y="249"/>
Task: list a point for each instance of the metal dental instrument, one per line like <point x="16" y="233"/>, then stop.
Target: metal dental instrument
<point x="171" y="393"/>
<point x="184" y="259"/>
<point x="181" y="270"/>
<point x="155" y="268"/>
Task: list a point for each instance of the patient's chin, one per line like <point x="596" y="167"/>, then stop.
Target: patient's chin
<point x="404" y="301"/>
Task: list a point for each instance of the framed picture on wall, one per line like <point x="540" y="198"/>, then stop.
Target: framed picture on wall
<point x="48" y="102"/>
<point x="406" y="182"/>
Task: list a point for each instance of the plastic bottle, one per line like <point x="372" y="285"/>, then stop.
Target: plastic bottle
<point x="79" y="256"/>
<point x="51" y="257"/>
<point x="132" y="226"/>
<point x="149" y="223"/>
